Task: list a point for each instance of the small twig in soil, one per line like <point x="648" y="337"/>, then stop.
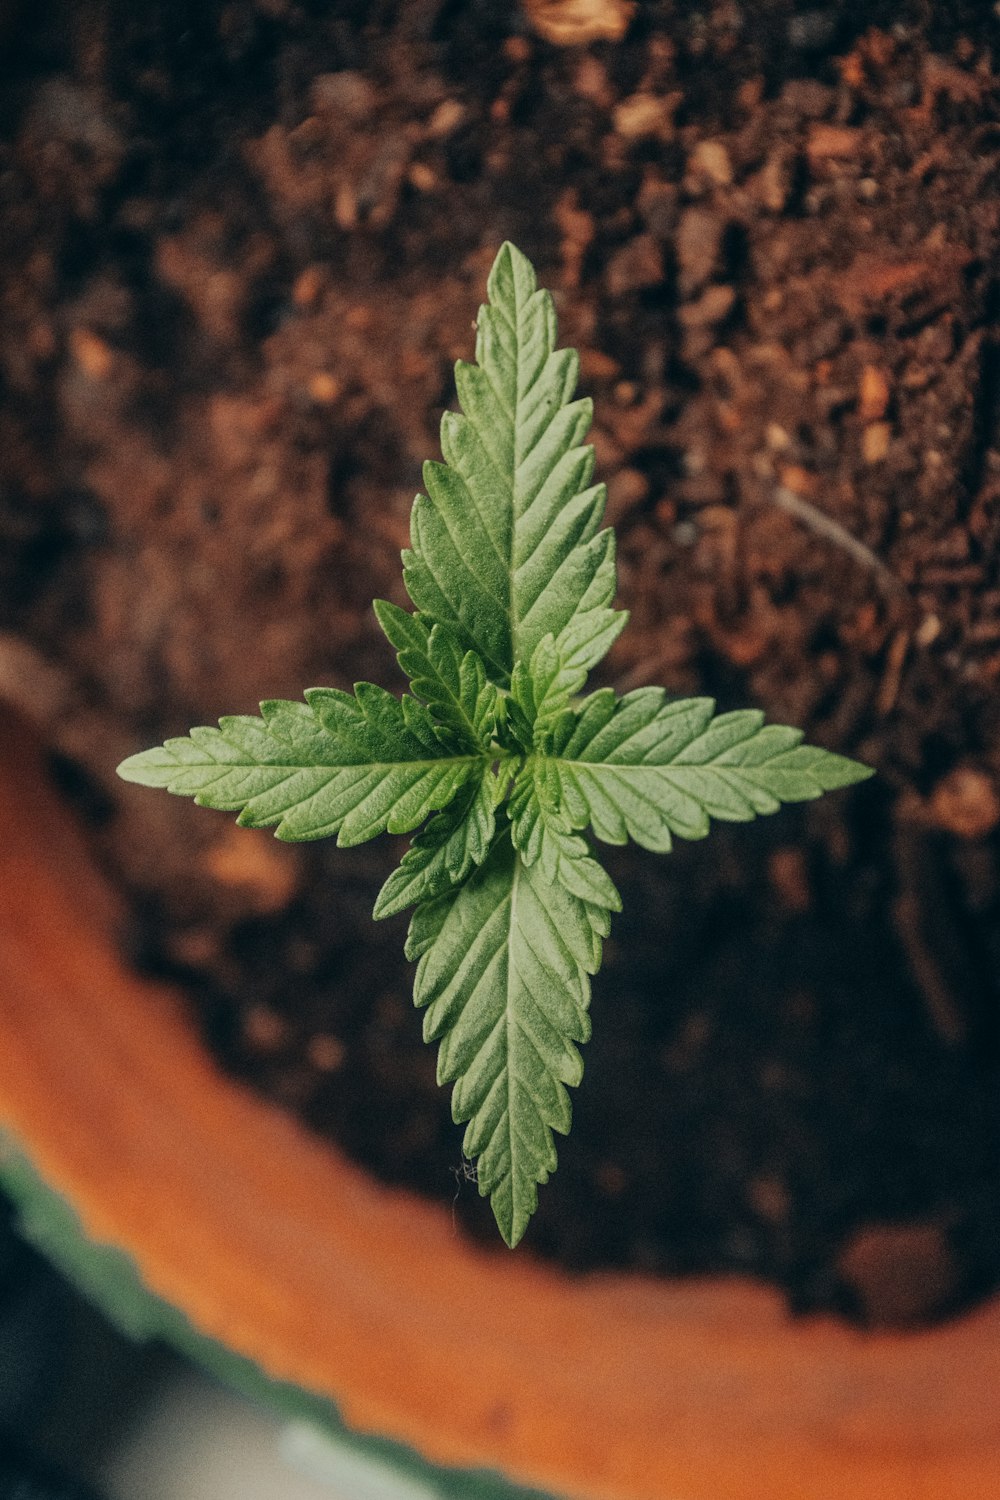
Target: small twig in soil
<point x="648" y="668"/>
<point x="825" y="526"/>
<point x="911" y="919"/>
<point x="895" y="660"/>
<point x="941" y="1005"/>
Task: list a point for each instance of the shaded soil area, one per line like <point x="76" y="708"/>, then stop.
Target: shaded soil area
<point x="243" y="245"/>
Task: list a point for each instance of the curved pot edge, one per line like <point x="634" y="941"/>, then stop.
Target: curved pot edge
<point x="108" y="1278"/>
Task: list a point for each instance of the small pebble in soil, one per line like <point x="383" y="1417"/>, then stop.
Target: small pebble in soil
<point x="899" y="1273"/>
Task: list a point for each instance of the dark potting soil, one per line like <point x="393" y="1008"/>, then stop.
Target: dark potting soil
<point x="242" y="246"/>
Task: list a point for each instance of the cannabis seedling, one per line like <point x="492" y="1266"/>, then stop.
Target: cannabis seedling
<point x="513" y="584"/>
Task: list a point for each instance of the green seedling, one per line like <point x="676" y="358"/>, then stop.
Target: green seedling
<point x="493" y="750"/>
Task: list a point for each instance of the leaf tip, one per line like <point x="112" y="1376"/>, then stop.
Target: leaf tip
<point x="512" y="1226"/>
<point x="142" y="769"/>
<point x="383" y="906"/>
<point x="510" y="267"/>
<point x="844" y="772"/>
<point x="124" y="768"/>
<point x="392" y="621"/>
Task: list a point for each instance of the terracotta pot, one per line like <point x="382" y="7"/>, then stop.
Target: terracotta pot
<point x="283" y="1254"/>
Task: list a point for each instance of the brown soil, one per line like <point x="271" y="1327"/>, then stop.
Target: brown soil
<point x="241" y="252"/>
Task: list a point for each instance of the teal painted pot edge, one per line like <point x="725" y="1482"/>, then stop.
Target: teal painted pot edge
<point x="107" y="1277"/>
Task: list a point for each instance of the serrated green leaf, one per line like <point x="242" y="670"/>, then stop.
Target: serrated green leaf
<point x="445" y="852"/>
<point x="452" y="682"/>
<point x="541" y="691"/>
<point x="505" y="979"/>
<point x="355" y="766"/>
<point x="542" y="831"/>
<point x="505" y="545"/>
<point x="644" y="768"/>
